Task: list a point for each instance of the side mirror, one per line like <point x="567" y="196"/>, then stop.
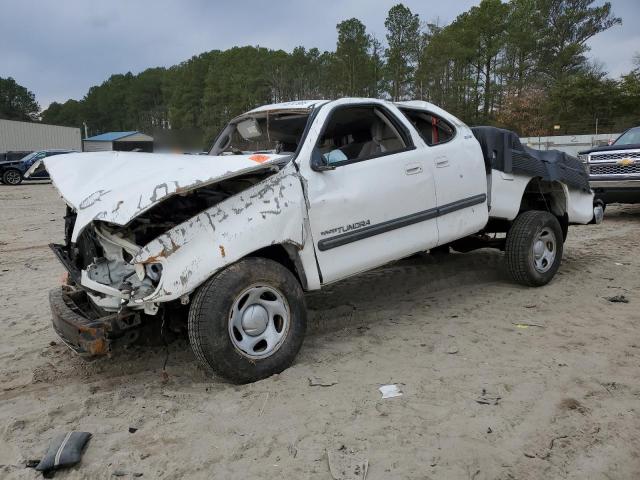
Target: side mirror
<point x="319" y="163"/>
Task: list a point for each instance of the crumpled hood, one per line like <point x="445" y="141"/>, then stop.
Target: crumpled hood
<point x="116" y="187"/>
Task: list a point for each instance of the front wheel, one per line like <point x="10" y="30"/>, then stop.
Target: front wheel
<point x="12" y="176"/>
<point x="248" y="322"/>
<point x="534" y="248"/>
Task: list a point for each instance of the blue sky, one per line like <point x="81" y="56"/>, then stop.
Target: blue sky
<point x="58" y="49"/>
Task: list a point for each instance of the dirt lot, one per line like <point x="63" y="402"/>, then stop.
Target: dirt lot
<point x="563" y="360"/>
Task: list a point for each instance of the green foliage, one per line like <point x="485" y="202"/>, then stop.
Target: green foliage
<point x="403" y="39"/>
<point x="519" y="64"/>
<point x="16" y="102"/>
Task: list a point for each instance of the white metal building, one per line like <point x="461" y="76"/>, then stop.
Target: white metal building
<point x="119" y="141"/>
<point x="29" y="136"/>
<point x="571" y="144"/>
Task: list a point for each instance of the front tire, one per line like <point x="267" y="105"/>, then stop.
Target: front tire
<point x="534" y="248"/>
<point x="248" y="322"/>
<point x="12" y="176"/>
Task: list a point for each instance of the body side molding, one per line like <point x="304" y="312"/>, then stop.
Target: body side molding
<point x="378" y="228"/>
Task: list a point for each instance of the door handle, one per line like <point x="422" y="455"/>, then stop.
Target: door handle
<point x="442" y="162"/>
<point x="412" y="168"/>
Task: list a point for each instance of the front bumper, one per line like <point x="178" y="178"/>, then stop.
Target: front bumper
<point x="616" y="190"/>
<point x="81" y="328"/>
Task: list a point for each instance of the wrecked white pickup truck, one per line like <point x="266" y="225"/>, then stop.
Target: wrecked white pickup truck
<point x="292" y="197"/>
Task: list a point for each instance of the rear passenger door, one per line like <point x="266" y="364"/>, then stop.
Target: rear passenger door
<point x="378" y="203"/>
<point x="459" y="174"/>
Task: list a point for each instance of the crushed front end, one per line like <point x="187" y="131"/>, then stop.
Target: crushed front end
<point x="99" y="305"/>
<point x="136" y="249"/>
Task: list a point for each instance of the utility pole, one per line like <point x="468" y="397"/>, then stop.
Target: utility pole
<point x="596" y="125"/>
<point x="85" y="130"/>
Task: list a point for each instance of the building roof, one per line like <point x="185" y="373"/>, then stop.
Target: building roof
<point x="111" y="136"/>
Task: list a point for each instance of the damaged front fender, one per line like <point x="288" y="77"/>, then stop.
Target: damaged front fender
<point x="271" y="212"/>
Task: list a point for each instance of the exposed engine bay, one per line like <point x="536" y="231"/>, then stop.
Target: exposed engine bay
<point x="101" y="260"/>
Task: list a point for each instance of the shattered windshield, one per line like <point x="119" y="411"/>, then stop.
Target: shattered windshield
<point x="277" y="131"/>
<point x="630" y="137"/>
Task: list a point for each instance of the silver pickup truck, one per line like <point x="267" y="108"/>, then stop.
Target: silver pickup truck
<point x="614" y="170"/>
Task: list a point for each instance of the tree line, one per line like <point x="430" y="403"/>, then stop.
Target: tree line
<point x="520" y="65"/>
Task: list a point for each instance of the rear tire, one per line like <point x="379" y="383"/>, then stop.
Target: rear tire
<point x="534" y="248"/>
<point x="248" y="322"/>
<point x="12" y="176"/>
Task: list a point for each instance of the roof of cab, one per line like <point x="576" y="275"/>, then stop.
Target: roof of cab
<point x="295" y="105"/>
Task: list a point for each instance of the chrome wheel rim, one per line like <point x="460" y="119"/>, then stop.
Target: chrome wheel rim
<point x="12" y="177"/>
<point x="544" y="250"/>
<point x="259" y="320"/>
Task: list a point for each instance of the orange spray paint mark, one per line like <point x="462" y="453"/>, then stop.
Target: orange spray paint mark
<point x="259" y="158"/>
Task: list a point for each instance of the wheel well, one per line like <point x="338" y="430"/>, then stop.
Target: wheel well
<point x="546" y="195"/>
<point x="285" y="255"/>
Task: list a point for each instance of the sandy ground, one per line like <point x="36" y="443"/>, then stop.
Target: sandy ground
<point x="444" y="329"/>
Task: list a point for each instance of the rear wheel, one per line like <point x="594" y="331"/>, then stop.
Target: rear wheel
<point x="248" y="322"/>
<point x="534" y="248"/>
<point x="12" y="176"/>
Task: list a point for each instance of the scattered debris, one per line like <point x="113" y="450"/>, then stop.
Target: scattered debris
<point x="486" y="399"/>
<point x="573" y="404"/>
<point x="526" y="325"/>
<point x="618" y="299"/>
<point x="64" y="451"/>
<point x="264" y="404"/>
<point x="347" y="463"/>
<point x="133" y="429"/>
<point x="293" y="451"/>
<point x="390" y="391"/>
<point x="321" y="382"/>
<point x="489" y="430"/>
<point x="124" y="473"/>
<point x="32" y="463"/>
<point x="530" y="306"/>
<point x="553" y="440"/>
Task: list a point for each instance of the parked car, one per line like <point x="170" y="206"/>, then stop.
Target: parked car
<point x="614" y="170"/>
<point x="13" y="155"/>
<point x="12" y="172"/>
<point x="293" y="197"/>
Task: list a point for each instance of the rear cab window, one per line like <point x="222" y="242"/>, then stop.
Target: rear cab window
<point x="433" y="129"/>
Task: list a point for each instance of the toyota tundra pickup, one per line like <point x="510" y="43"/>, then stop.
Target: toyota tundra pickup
<point x="293" y="197"/>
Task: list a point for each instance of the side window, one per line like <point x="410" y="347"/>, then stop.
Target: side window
<point x="433" y="129"/>
<point x="358" y="133"/>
